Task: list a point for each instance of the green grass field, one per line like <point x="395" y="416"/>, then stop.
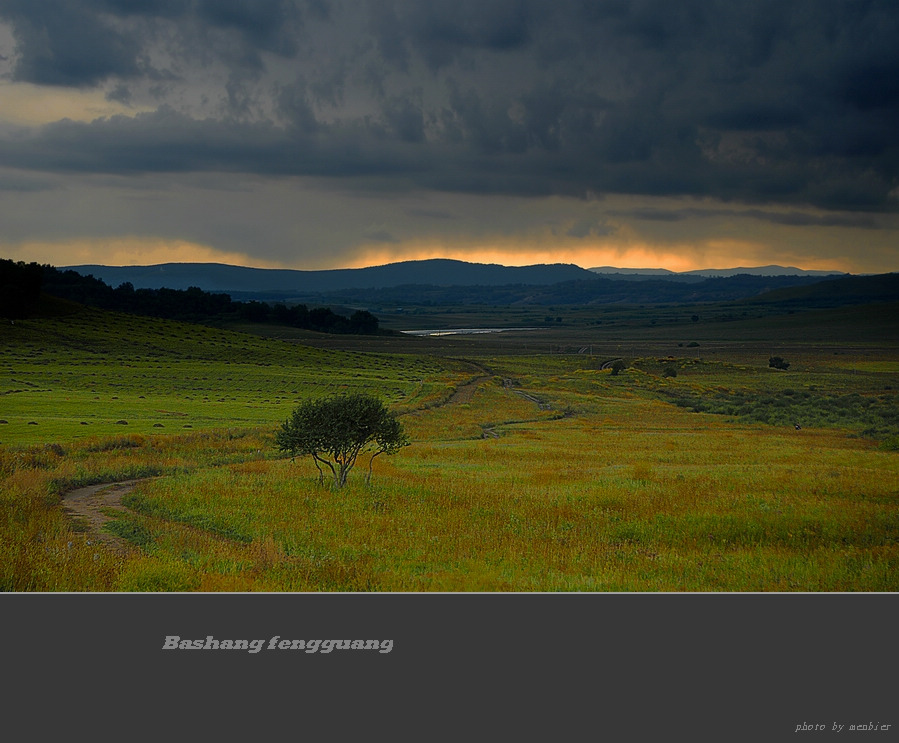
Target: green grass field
<point x="549" y="474"/>
<point x="79" y="375"/>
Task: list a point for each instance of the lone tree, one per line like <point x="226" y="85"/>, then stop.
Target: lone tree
<point x="335" y="430"/>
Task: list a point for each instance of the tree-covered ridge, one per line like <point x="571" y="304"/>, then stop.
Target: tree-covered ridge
<point x="21" y="285"/>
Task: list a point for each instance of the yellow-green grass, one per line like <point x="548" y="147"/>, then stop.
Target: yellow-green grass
<point x="41" y="549"/>
<point x="641" y="496"/>
<point x="604" y="486"/>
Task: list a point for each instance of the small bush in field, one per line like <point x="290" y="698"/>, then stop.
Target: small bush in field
<point x="776" y="362"/>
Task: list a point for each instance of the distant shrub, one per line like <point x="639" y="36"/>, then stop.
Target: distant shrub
<point x="776" y="362"/>
<point x="669" y="371"/>
<point x="692" y="344"/>
<point x="890" y="444"/>
<point x="119" y="442"/>
<point x="617" y="367"/>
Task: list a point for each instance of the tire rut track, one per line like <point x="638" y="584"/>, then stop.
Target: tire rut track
<point x="88" y="504"/>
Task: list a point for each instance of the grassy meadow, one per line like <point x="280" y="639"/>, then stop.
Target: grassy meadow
<point x="528" y="470"/>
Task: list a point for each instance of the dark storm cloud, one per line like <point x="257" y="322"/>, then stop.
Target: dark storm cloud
<point x="757" y="102"/>
<point x="404" y="116"/>
<point x="166" y="141"/>
<point x="18" y="184"/>
<point x="438" y="32"/>
<point x="292" y="101"/>
<point x="755" y="117"/>
<point x="590" y="228"/>
<point x="266" y="25"/>
<point x="84" y="42"/>
<point x="791" y="218"/>
<point x="120" y="93"/>
<point x="68" y="44"/>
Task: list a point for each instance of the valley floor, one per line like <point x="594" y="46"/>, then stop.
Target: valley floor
<point x="527" y="472"/>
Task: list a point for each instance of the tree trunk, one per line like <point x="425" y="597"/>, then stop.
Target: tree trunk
<point x="370" y="461"/>
<point x="321" y="474"/>
<point x="342" y="473"/>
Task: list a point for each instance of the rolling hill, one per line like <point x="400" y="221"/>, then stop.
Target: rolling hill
<point x="836" y="292"/>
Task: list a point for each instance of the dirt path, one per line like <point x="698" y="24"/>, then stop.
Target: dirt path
<point x="88" y="504"/>
<point x="536" y="400"/>
<point x="465" y="392"/>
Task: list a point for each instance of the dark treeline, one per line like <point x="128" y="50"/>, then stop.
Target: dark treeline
<point x="20" y="288"/>
<point x="22" y="284"/>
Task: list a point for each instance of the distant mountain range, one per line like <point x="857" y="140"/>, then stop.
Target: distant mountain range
<point x="217" y="277"/>
<point x="448" y="282"/>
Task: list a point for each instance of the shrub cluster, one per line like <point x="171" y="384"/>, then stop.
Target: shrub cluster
<point x="875" y="417"/>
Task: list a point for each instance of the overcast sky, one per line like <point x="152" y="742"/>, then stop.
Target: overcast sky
<point x="331" y="133"/>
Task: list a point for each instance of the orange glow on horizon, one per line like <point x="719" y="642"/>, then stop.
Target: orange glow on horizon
<point x="673" y="257"/>
<point x="678" y="257"/>
<point x="515" y="255"/>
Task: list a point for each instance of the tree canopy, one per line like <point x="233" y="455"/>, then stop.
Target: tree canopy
<point x="335" y="430"/>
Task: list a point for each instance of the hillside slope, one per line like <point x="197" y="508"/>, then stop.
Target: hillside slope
<point x="836" y="292"/>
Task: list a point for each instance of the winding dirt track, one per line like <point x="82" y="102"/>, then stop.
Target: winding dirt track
<point x="88" y="504"/>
